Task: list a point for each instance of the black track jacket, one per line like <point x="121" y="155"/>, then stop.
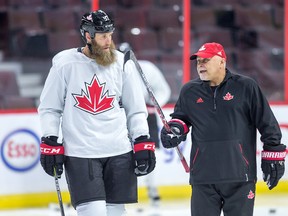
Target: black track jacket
<point x="224" y="127"/>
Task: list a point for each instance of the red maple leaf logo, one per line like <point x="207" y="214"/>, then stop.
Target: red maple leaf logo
<point x="251" y="195"/>
<point x="94" y="100"/>
<point x="228" y="96"/>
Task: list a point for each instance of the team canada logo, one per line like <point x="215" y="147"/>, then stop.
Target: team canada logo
<point x="251" y="195"/>
<point x="94" y="100"/>
<point x="202" y="48"/>
<point x="228" y="96"/>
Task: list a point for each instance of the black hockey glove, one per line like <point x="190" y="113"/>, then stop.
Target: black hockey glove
<point x="52" y="155"/>
<point x="273" y="164"/>
<point x="144" y="155"/>
<point x="177" y="134"/>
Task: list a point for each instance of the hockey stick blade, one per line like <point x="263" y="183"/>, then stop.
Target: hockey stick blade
<point x="129" y="55"/>
<point x="58" y="193"/>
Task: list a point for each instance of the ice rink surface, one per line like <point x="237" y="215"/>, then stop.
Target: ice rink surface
<point x="265" y="205"/>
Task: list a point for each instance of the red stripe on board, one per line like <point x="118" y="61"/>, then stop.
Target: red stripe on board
<point x="15" y="111"/>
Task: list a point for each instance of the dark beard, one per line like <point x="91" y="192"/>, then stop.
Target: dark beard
<point x="102" y="57"/>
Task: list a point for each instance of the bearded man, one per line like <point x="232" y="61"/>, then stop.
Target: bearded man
<point x="94" y="122"/>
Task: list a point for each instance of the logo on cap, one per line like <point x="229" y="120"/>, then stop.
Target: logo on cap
<point x="202" y="48"/>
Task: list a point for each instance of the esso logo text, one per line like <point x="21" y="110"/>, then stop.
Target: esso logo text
<point x="20" y="150"/>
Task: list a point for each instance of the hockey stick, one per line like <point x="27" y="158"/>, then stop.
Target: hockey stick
<point x="129" y="55"/>
<point x="59" y="193"/>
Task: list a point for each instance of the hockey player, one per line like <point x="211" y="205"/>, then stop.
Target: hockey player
<point x="162" y="92"/>
<point x="224" y="110"/>
<point x="94" y="95"/>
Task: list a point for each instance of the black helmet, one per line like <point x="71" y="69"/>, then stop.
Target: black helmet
<point x="95" y="22"/>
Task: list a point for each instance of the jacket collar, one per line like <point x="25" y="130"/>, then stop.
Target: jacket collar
<point x="228" y="75"/>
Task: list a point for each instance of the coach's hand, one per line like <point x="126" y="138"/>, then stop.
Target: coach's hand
<point x="273" y="164"/>
<point x="52" y="155"/>
<point x="173" y="138"/>
<point x="144" y="154"/>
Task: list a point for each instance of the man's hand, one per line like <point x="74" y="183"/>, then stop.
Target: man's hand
<point x="273" y="164"/>
<point x="173" y="138"/>
<point x="52" y="155"/>
<point x="144" y="154"/>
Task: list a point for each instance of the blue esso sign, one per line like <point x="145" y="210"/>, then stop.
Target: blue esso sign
<point x="20" y="150"/>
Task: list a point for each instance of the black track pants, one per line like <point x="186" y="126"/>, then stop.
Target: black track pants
<point x="234" y="199"/>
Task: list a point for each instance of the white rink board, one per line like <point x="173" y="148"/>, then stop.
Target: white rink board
<point x="22" y="173"/>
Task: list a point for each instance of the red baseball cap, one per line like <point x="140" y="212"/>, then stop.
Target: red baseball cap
<point x="208" y="50"/>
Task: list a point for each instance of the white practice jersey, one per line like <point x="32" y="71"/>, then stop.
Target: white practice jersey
<point x="96" y="106"/>
<point x="157" y="82"/>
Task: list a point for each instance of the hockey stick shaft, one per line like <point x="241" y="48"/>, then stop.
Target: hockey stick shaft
<point x="130" y="55"/>
<point x="59" y="193"/>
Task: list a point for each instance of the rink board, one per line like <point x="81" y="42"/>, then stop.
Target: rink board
<point x="24" y="183"/>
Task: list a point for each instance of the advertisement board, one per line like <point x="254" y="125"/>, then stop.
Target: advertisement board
<point x="21" y="172"/>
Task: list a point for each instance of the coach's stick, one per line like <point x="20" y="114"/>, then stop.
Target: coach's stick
<point x="59" y="193"/>
<point x="129" y="55"/>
